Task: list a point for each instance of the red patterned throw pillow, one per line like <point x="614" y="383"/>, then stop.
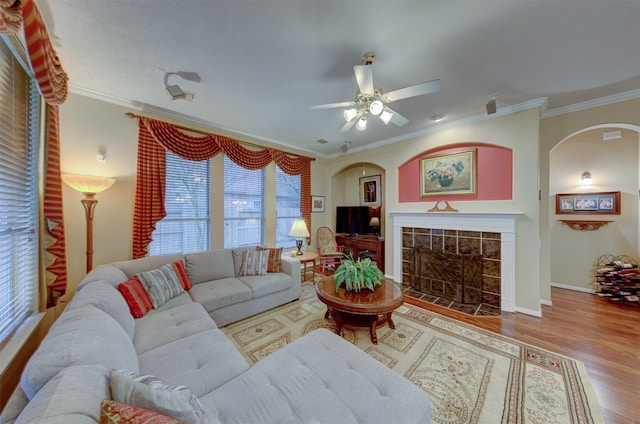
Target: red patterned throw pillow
<point x="181" y="272"/>
<point x="274" y="262"/>
<point x="136" y="297"/>
<point x="112" y="412"/>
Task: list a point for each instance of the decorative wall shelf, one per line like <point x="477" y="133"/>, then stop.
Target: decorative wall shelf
<point x="584" y="225"/>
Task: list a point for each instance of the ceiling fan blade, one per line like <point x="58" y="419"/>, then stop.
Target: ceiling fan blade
<point x="364" y="77"/>
<point x="346" y="127"/>
<point x="414" y="90"/>
<point x="332" y="105"/>
<point x="397" y="119"/>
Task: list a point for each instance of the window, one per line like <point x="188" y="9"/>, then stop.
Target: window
<point x="243" y="205"/>
<point x="186" y="228"/>
<point x="19" y="132"/>
<point x="287" y="206"/>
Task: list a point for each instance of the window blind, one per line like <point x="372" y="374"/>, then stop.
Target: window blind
<point x="287" y="206"/>
<point x="186" y="228"/>
<point x="19" y="124"/>
<point x="244" y="211"/>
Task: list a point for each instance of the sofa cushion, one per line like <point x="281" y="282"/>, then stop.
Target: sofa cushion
<point x="112" y="412"/>
<point x="275" y="258"/>
<point x="72" y="396"/>
<point x="319" y="378"/>
<point x="105" y="297"/>
<point x="134" y="266"/>
<point x="81" y="336"/>
<point x="106" y="272"/>
<point x="201" y="362"/>
<point x="237" y="254"/>
<point x="254" y="263"/>
<point x="181" y="299"/>
<point x="136" y="297"/>
<point x="219" y="293"/>
<point x="265" y="284"/>
<point x="150" y="392"/>
<point x="169" y="325"/>
<point x="161" y="284"/>
<point x="211" y="265"/>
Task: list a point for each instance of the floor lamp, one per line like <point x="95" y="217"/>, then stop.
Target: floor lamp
<point x="88" y="185"/>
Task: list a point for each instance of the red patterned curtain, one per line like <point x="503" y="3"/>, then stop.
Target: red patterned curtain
<point x="52" y="83"/>
<point x="156" y="136"/>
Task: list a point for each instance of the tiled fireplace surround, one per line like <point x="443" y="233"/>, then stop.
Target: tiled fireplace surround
<point x="489" y="234"/>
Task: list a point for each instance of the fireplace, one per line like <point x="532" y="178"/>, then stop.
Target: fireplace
<point x="452" y="276"/>
<point x="497" y="232"/>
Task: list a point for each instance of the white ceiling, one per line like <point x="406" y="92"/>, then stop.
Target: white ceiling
<point x="263" y="62"/>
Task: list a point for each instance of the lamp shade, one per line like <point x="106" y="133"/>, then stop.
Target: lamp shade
<point x="375" y="222"/>
<point x="87" y="183"/>
<point x="586" y="178"/>
<point x="299" y="229"/>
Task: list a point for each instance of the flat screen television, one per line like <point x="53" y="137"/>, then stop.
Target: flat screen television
<point x="352" y="219"/>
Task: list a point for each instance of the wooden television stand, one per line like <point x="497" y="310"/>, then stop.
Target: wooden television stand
<point x="371" y="246"/>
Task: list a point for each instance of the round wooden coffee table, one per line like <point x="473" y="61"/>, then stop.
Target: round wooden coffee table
<point x="367" y="308"/>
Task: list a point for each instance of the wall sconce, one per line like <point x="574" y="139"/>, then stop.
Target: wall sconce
<point x="88" y="185"/>
<point x="586" y="178"/>
<point x="299" y="231"/>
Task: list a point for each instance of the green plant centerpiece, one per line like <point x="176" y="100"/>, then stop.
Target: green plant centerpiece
<point x="357" y="275"/>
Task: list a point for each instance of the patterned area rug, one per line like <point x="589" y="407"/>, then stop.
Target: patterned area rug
<point x="470" y="375"/>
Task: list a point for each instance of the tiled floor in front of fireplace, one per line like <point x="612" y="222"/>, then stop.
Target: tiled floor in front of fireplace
<point x="481" y="310"/>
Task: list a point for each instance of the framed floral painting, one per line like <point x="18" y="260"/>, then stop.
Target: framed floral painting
<point x="450" y="174"/>
<point x="607" y="202"/>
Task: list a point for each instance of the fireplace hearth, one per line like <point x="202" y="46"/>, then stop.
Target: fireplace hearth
<point x="453" y="276"/>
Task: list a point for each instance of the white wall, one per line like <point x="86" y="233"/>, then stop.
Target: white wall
<point x="518" y="131"/>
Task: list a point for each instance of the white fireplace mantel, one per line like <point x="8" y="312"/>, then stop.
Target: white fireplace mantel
<point x="496" y="222"/>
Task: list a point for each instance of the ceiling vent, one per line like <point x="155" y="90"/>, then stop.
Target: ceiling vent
<point x="611" y="135"/>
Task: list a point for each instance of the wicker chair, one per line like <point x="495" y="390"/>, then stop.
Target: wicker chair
<point x="329" y="253"/>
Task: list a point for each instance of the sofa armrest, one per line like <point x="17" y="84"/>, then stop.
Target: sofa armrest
<point x="291" y="266"/>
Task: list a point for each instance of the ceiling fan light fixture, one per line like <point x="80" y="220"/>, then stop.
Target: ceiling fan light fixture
<point x="386" y="116"/>
<point x="362" y="123"/>
<point x="349" y="114"/>
<point x="376" y="107"/>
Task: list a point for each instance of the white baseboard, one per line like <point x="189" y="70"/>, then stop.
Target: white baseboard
<point x="574" y="288"/>
<point x="546" y="302"/>
<point x="531" y="312"/>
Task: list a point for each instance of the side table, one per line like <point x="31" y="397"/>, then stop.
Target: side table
<point x="305" y="259"/>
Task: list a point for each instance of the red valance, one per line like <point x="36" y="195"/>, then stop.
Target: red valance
<point x="156" y="136"/>
<point x="52" y="80"/>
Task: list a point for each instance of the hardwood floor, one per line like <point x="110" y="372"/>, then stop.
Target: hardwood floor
<point x="604" y="335"/>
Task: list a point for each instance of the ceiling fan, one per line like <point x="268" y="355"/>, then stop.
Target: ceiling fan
<point x="371" y="100"/>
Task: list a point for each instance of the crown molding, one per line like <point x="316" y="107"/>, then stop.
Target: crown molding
<point x="530" y="104"/>
<point x="187" y="119"/>
<point x="588" y="104"/>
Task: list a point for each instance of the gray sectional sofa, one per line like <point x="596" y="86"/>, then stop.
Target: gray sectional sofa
<point x="318" y="378"/>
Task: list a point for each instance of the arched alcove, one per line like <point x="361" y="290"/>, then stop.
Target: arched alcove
<point x="345" y="188"/>
<point x="614" y="166"/>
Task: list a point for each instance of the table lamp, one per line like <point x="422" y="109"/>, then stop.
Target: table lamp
<point x="375" y="223"/>
<point x="88" y="185"/>
<point x="299" y="231"/>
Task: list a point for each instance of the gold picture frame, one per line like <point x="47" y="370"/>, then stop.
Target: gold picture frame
<point x="450" y="174"/>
